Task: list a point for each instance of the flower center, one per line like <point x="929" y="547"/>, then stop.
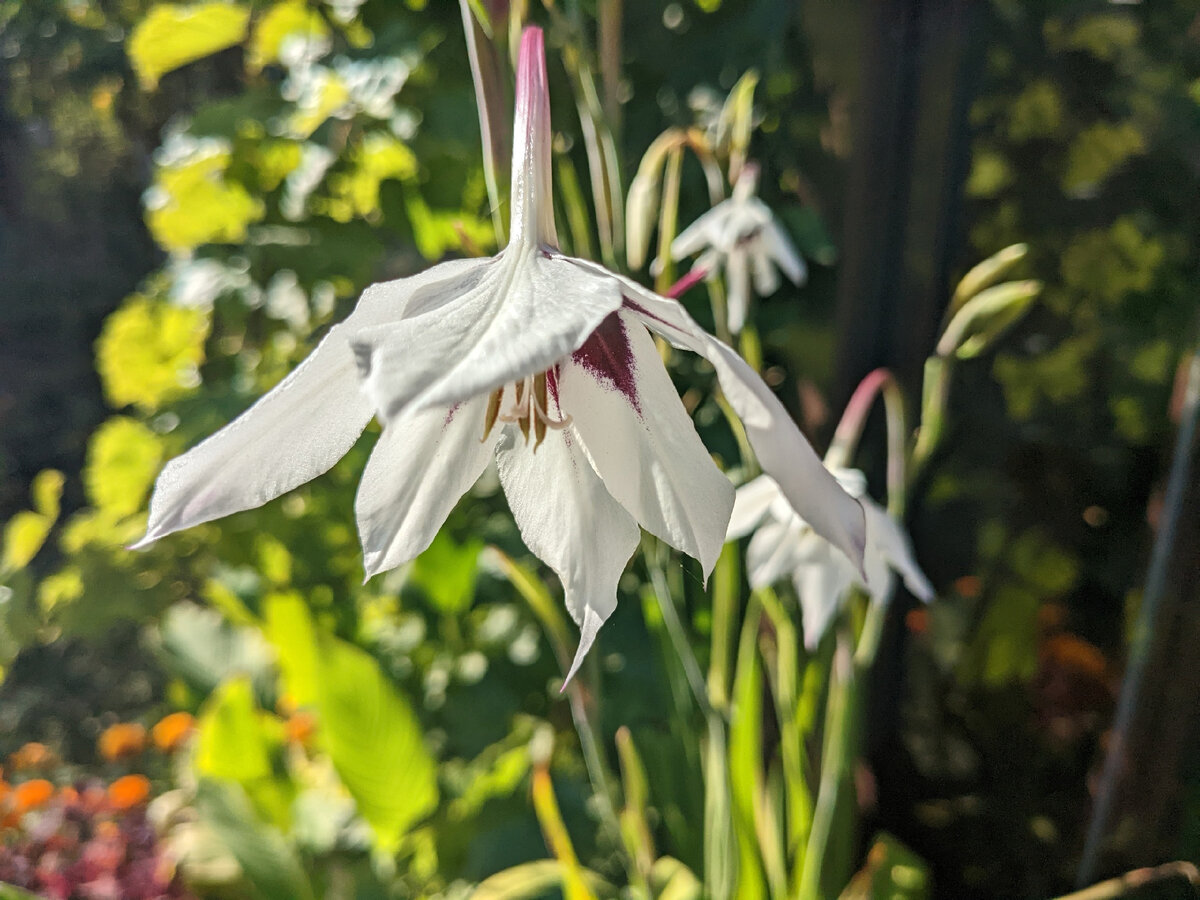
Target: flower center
<point x="529" y="409"/>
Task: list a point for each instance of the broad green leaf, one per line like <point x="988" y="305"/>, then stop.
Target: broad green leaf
<point x="289" y="19"/>
<point x="1097" y="152"/>
<point x="446" y="573"/>
<point x="172" y="35"/>
<point x="204" y="650"/>
<point x="191" y="203"/>
<point x="375" y="742"/>
<point x="123" y="459"/>
<point x="231" y="741"/>
<point x="148" y="352"/>
<point x="365" y="725"/>
<point x="289" y="629"/>
<point x="268" y="862"/>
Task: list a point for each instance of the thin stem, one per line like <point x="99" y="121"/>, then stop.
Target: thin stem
<point x="849" y="432"/>
<point x="651" y="550"/>
<point x="1139" y="653"/>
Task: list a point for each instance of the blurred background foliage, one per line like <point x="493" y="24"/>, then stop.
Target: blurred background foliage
<point x="189" y="195"/>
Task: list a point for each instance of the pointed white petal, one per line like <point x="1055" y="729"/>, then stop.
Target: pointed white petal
<point x="780" y="248"/>
<point x="297" y="430"/>
<point x="737" y="280"/>
<point x="775" y="551"/>
<point x="750" y="504"/>
<point x="821" y="586"/>
<point x="588" y="629"/>
<point x="529" y="311"/>
<point x="766" y="276"/>
<point x="886" y="538"/>
<point x="642" y="442"/>
<point x="701" y="233"/>
<point x="569" y="520"/>
<point x="782" y="450"/>
<point x="419" y="468"/>
<point x="532" y="193"/>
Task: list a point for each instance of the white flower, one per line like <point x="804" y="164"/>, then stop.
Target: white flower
<point x="742" y="235"/>
<point x="785" y="545"/>
<point x="539" y="360"/>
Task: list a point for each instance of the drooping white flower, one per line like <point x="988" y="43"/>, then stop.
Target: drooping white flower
<point x="784" y="545"/>
<point x="539" y="360"/>
<point x="741" y="235"/>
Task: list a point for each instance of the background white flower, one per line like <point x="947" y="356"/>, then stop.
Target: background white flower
<point x="784" y="545"/>
<point x="741" y="235"/>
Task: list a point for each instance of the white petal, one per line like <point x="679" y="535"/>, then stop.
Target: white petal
<point x="775" y="550"/>
<point x="821" y="586"/>
<point x="419" y="468"/>
<point x="642" y="442"/>
<point x="766" y="276"/>
<point x="297" y="430"/>
<point x="887" y="539"/>
<point x="750" y="505"/>
<point x="529" y="311"/>
<point x="569" y="520"/>
<point x="782" y="450"/>
<point x="781" y="249"/>
<point x="737" y="280"/>
<point x="701" y="233"/>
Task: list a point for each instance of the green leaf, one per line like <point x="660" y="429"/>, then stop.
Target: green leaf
<point x="46" y="492"/>
<point x="446" y="572"/>
<point x="191" y="203"/>
<point x="122" y="460"/>
<point x="26" y="532"/>
<point x="267" y="860"/>
<point x="365" y="725"/>
<point x="231" y="742"/>
<point x="291" y="18"/>
<point x="173" y="35"/>
<point x="746" y="778"/>
<point x="148" y="352"/>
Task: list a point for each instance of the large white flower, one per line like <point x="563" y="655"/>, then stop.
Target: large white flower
<point x="742" y="235"/>
<point x="537" y="359"/>
<point x="784" y="545"/>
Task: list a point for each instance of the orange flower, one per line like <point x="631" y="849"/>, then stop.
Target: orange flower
<point x="917" y="620"/>
<point x="122" y="740"/>
<point x="32" y="756"/>
<point x="1073" y="652"/>
<point x="171" y="732"/>
<point x="300" y="727"/>
<point x="969" y="586"/>
<point x="129" y="791"/>
<point x="31" y="794"/>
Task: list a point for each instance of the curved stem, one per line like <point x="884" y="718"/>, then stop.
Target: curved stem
<point x="849" y="431"/>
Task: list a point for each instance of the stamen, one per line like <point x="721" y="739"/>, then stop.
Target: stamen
<point x="493" y="412"/>
<point x="529" y="411"/>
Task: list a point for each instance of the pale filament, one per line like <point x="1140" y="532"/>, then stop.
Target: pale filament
<point x="528" y="409"/>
